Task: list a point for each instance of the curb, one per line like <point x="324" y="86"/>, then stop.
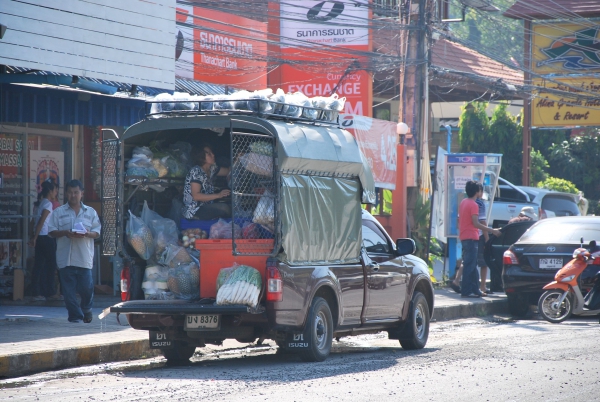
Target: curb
<point x="470" y="310"/>
<point x="16" y="365"/>
<point x="22" y="364"/>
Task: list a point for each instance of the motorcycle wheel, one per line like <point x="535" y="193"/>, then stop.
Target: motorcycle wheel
<point x="550" y="311"/>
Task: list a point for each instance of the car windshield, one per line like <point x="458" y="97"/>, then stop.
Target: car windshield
<point x="560" y="205"/>
<point x="557" y="231"/>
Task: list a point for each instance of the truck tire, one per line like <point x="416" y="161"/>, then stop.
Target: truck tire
<point x="416" y="330"/>
<point x="319" y="330"/>
<point x="518" y="305"/>
<point x="179" y="354"/>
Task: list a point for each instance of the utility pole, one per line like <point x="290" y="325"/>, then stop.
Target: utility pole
<point x="413" y="73"/>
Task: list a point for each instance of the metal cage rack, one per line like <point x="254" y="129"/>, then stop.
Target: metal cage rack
<point x="254" y="107"/>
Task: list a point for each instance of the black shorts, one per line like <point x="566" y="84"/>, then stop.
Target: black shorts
<point x="480" y="261"/>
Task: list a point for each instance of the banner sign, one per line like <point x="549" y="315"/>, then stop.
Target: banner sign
<point x="556" y="110"/>
<point x="220" y="48"/>
<point x="565" y="48"/>
<point x="46" y="165"/>
<point x="336" y="23"/>
<point x="377" y="140"/>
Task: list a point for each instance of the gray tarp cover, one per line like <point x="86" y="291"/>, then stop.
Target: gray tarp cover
<point x="322" y="151"/>
<point x="320" y="219"/>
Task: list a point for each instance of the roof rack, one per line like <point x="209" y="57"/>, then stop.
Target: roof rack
<point x="253" y="107"/>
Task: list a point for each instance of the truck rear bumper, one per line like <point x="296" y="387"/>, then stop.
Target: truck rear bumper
<point x="177" y="307"/>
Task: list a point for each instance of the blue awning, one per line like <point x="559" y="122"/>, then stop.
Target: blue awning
<point x="50" y="105"/>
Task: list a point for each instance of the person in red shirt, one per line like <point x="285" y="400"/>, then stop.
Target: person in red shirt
<point x="469" y="226"/>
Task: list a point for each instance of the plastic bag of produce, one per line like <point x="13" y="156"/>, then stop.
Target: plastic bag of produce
<point x="251" y="231"/>
<point x="261" y="105"/>
<point x="334" y="107"/>
<point x="167" y="106"/>
<point x="264" y="213"/>
<point x="277" y="102"/>
<point x="189" y="237"/>
<point x="296" y="103"/>
<point x="183" y="101"/>
<point x="155" y="281"/>
<point x="224" y="273"/>
<point x="139" y="237"/>
<point x="184" y="281"/>
<point x="222" y="230"/>
<point x="141" y="165"/>
<point x="261" y="165"/>
<point x="243" y="286"/>
<point x="174" y="255"/>
<point x="160" y="165"/>
<point x="262" y="148"/>
<point x="142" y="151"/>
<point x="149" y="215"/>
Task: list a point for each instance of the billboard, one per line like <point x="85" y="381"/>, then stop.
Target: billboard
<point x="322" y="41"/>
<point x="125" y="41"/>
<point x="566" y="48"/>
<point x="221" y="48"/>
<point x="558" y="110"/>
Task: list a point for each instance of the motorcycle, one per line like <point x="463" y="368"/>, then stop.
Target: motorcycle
<point x="564" y="296"/>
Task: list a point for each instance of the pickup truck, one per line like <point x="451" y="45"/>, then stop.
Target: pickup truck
<point x="329" y="270"/>
<point x="510" y="199"/>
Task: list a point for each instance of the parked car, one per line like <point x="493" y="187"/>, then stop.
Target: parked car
<point x="510" y="199"/>
<point x="552" y="203"/>
<point x="533" y="260"/>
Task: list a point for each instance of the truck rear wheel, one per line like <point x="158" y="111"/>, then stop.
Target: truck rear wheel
<point x="179" y="354"/>
<point x="416" y="330"/>
<point x="319" y="331"/>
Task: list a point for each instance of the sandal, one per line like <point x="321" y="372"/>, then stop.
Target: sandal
<point x="454" y="287"/>
<point x="87" y="317"/>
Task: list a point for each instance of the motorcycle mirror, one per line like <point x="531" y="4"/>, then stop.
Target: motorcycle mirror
<point x="581" y="242"/>
<point x="592" y="245"/>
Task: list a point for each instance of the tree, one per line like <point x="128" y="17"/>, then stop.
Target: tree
<point x="492" y="33"/>
<point x="539" y="167"/>
<point x="473" y="133"/>
<point x="506" y="138"/>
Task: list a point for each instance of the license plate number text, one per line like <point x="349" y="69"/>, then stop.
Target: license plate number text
<point x="203" y="321"/>
<point x="551" y="262"/>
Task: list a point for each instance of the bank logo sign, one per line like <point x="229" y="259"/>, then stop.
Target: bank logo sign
<point x="565" y="48"/>
<point x="335" y="23"/>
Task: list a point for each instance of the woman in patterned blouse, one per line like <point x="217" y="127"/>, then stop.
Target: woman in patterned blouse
<point x="199" y="192"/>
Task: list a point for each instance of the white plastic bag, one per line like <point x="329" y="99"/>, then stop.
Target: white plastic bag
<point x="264" y="213"/>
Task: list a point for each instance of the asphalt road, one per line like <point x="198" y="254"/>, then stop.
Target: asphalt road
<point x="489" y="359"/>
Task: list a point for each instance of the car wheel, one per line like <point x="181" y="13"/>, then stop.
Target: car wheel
<point x="416" y="330"/>
<point x="319" y="332"/>
<point x="518" y="306"/>
<point x="549" y="308"/>
<point x="179" y="354"/>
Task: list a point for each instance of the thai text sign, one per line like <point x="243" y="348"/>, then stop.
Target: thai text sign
<point x="578" y="106"/>
<point x="220" y="48"/>
<point x="565" y="48"/>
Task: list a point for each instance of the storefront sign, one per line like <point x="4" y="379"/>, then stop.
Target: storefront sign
<point x="565" y="48"/>
<point x="11" y="191"/>
<point x="377" y="139"/>
<point x="221" y="48"/>
<point x="335" y="23"/>
<point x="46" y="165"/>
<point x="577" y="107"/>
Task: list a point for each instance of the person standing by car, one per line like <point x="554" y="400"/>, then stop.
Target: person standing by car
<point x="44" y="265"/>
<point x="75" y="226"/>
<point x="468" y="225"/>
<point x="483" y="238"/>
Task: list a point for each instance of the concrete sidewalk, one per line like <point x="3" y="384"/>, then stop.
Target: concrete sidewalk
<point x="36" y="336"/>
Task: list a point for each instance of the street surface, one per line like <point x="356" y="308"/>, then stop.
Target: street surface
<point x="489" y="359"/>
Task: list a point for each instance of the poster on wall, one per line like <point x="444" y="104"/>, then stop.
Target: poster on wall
<point x="11" y="255"/>
<point x="46" y="165"/>
<point x="11" y="188"/>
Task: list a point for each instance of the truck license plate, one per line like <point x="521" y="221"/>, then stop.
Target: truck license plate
<point x="203" y="321"/>
<point x="551" y="262"/>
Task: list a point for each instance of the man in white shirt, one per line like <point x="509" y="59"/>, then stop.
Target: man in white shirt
<point x="75" y="226"/>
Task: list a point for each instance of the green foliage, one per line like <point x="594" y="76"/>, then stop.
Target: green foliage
<point x="556" y="184"/>
<point x="492" y="33"/>
<point x="506" y="138"/>
<point x="577" y="160"/>
<point x="539" y="166"/>
<point x="474" y="128"/>
<point x="420" y="233"/>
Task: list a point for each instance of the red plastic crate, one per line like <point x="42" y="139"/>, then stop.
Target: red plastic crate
<point x="216" y="254"/>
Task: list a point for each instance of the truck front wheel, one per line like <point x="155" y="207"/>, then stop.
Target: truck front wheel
<point x="319" y="332"/>
<point x="179" y="354"/>
<point x="416" y="330"/>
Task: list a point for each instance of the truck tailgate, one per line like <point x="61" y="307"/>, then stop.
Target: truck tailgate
<point x="182" y="307"/>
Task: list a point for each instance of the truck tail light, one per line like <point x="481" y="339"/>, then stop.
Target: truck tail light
<point x="509" y="258"/>
<point x="543" y="214"/>
<point x="274" y="282"/>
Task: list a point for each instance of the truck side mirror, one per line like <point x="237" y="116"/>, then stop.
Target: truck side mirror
<point x="405" y="247"/>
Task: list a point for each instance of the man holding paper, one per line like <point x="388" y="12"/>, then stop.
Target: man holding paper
<point x="75" y="226"/>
